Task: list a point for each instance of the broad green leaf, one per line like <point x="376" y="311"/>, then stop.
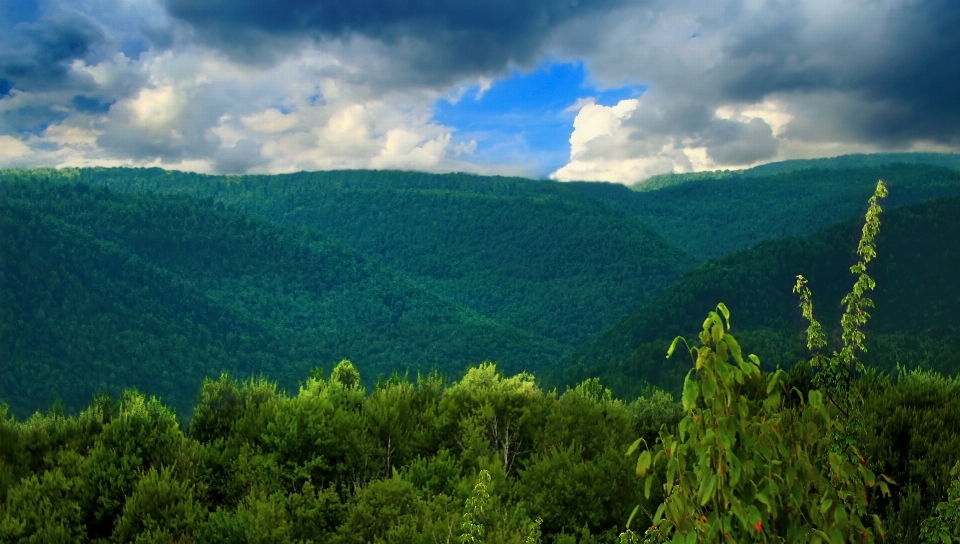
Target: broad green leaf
<point x="691" y="390"/>
<point x="673" y="346"/>
<point x="708" y="322"/>
<point x="633" y="447"/>
<point x="708" y="387"/>
<point x="772" y="403"/>
<point x="878" y="526"/>
<point x="774" y="380"/>
<point x="753" y="515"/>
<point x="647" y="484"/>
<point x="726" y="313"/>
<point x="734" y="349"/>
<point x="643" y="463"/>
<point x="685" y="426"/>
<point x="707" y="490"/>
<point x="632" y="514"/>
<point x="717" y="330"/>
<point x="762" y="497"/>
<point x="835" y="463"/>
<point x="659" y="514"/>
<point x="815" y="398"/>
<point x="825" y="505"/>
<point x="735" y="470"/>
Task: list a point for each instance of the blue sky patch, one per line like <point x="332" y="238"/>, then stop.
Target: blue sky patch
<point x="521" y="118"/>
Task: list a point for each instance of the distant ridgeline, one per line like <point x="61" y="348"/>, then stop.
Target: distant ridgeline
<point x="536" y="255"/>
<point x="843" y="162"/>
<point x="711" y="214"/>
<point x="118" y="277"/>
<point x="104" y="290"/>
<point x="129" y="278"/>
<point x="913" y="324"/>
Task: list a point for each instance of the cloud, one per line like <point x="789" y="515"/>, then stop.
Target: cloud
<point x="738" y="83"/>
<point x="434" y="42"/>
<point x="526" y="117"/>
<point x="639" y="138"/>
<point x="246" y="86"/>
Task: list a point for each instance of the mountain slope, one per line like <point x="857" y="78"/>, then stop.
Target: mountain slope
<point x="716" y="213"/>
<point x="108" y="290"/>
<point x="537" y="255"/>
<point x="913" y="323"/>
<point x="842" y="162"/>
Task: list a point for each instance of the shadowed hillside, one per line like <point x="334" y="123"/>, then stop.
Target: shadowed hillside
<point x="103" y="290"/>
<point x="711" y="214"/>
<point x="537" y="255"/>
<point x="917" y="294"/>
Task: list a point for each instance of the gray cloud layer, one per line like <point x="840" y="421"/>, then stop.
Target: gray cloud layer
<point x="436" y="41"/>
<point x="835" y="76"/>
<point x="244" y="84"/>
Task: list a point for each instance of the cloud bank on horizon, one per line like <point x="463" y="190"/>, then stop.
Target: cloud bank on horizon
<point x="597" y="90"/>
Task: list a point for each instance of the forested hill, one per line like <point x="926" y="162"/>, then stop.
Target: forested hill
<point x="540" y="256"/>
<point x="711" y="214"/>
<point x="842" y="162"/>
<point x="103" y="290"/>
<point x="913" y="323"/>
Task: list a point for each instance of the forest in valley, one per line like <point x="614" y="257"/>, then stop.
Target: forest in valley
<point x="767" y="355"/>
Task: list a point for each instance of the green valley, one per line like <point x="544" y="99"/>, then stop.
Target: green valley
<point x="361" y="356"/>
<point x="711" y="214"/>
<point x="104" y="290"/>
<point x="536" y="255"/>
<point x="917" y="291"/>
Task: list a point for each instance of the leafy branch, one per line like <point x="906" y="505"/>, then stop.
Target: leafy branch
<point x="835" y="374"/>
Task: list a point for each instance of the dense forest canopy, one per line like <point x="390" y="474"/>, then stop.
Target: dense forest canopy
<point x="104" y="290"/>
<point x="535" y="255"/>
<point x="917" y="291"/>
<point x="240" y="303"/>
<point x="400" y="462"/>
<point x="843" y="162"/>
<point x="770" y="204"/>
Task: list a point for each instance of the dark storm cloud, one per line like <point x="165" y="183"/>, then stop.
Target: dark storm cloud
<point x="903" y="67"/>
<point x="920" y="74"/>
<point x="40" y="41"/>
<point x="436" y="39"/>
<point x="37" y="55"/>
<point x="727" y="142"/>
<point x="823" y="77"/>
<point x="731" y="142"/>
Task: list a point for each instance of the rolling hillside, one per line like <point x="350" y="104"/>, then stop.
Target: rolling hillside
<point x="540" y="256"/>
<point x="913" y="324"/>
<point x="842" y="162"/>
<point x="711" y="214"/>
<point x="103" y="290"/>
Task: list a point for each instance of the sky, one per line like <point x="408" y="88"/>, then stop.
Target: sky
<point x="592" y="90"/>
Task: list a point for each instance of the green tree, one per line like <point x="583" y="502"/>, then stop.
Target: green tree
<point x="475" y="511"/>
<point x="835" y="374"/>
<point x="944" y="525"/>
<point x="162" y="509"/>
<point x="750" y="469"/>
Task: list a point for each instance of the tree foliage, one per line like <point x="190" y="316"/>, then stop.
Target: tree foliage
<point x="332" y="463"/>
<point x="750" y="469"/>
